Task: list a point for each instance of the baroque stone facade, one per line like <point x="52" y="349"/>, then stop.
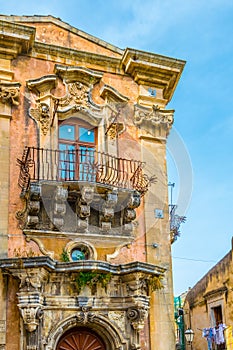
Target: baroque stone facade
<point x="85" y="262"/>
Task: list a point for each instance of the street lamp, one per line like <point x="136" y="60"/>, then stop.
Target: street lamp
<point x="189" y="333"/>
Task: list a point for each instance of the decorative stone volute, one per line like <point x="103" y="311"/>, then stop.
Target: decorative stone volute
<point x="85" y="315"/>
<point x="137" y="317"/>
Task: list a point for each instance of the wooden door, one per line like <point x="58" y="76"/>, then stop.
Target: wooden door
<point x="80" y="339"/>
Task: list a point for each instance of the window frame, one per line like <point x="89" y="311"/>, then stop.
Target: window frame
<point x="70" y="170"/>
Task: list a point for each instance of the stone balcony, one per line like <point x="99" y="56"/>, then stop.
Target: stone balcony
<point x="71" y="193"/>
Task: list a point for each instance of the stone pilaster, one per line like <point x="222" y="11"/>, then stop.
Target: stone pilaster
<point x="9" y="93"/>
<point x="154" y="125"/>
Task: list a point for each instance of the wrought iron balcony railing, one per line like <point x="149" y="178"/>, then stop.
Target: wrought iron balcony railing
<point x="38" y="164"/>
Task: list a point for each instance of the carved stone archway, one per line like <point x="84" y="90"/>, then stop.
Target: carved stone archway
<point x="99" y="326"/>
<point x="80" y="338"/>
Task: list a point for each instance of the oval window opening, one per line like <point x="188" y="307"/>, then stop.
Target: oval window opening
<point x="79" y="253"/>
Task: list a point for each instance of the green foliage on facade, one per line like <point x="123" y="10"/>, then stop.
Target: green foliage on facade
<point x="92" y="278"/>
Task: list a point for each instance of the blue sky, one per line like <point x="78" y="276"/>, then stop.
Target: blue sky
<point x="199" y="32"/>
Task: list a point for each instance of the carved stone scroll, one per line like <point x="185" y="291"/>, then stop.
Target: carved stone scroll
<point x="137" y="317"/>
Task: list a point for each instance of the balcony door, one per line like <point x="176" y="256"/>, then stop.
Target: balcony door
<point x="77" y="142"/>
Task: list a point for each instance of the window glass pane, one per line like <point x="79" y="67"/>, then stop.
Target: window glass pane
<point x="67" y="161"/>
<point x="87" y="170"/>
<point x="86" y="135"/>
<point x="67" y="132"/>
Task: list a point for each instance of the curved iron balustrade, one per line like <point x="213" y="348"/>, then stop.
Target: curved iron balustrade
<point x="38" y="164"/>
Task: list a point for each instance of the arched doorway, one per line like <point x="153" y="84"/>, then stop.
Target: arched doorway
<point x="80" y="339"/>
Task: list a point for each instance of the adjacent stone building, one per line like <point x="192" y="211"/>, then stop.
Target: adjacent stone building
<point x="85" y="255"/>
<point x="209" y="304"/>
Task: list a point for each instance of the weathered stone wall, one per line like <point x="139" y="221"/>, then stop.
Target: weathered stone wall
<point x="213" y="290"/>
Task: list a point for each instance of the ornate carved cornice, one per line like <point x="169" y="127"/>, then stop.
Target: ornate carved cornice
<point x="14" y="266"/>
<point x="117" y="308"/>
<point x="155" y="121"/>
<point x="79" y="82"/>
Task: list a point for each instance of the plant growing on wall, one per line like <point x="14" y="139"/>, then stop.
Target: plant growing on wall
<point x="92" y="278"/>
<point x="65" y="256"/>
<point x="155" y="283"/>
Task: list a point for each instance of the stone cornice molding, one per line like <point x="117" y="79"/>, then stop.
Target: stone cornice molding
<point x="109" y="94"/>
<point x="49" y="52"/>
<point x="215" y="293"/>
<point x="14" y="266"/>
<point x="155" y="121"/>
<point x="64" y="25"/>
<point x="42" y="84"/>
<point x="15" y="39"/>
<point x="153" y="70"/>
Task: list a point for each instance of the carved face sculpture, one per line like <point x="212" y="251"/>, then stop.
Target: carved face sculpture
<point x="44" y="111"/>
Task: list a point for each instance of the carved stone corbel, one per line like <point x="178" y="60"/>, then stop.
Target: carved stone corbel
<point x="135" y="346"/>
<point x="61" y="196"/>
<point x="31" y="317"/>
<point x="83" y="204"/>
<point x="33" y="206"/>
<point x="108" y="210"/>
<point x="129" y="212"/>
<point x="134" y="200"/>
<point x="87" y="194"/>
